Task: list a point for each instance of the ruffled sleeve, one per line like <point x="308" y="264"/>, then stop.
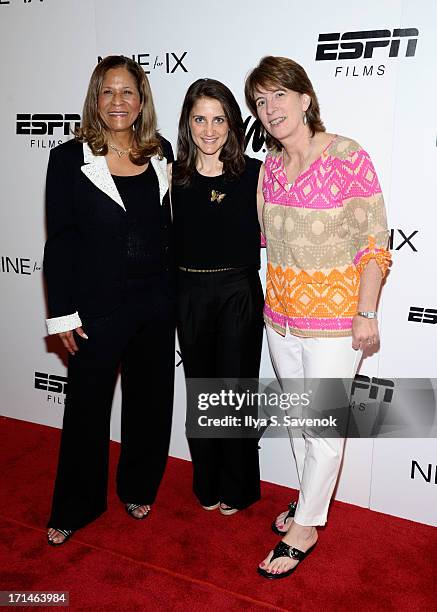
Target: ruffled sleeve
<point x="381" y="256"/>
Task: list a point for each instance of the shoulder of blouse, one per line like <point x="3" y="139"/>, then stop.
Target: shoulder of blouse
<point x="344" y="148"/>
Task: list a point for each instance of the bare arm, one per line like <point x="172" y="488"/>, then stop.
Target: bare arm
<point x="365" y="332"/>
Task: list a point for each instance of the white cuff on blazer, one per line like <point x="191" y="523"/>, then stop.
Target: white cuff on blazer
<point x="56" y="325"/>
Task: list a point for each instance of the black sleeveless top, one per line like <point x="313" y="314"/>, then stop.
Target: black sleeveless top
<point x="148" y="232"/>
<point x="215" y="221"/>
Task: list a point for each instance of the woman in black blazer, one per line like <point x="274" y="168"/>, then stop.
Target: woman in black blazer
<point x="108" y="267"/>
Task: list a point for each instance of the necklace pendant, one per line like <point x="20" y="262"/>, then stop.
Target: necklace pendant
<point x="120" y="152"/>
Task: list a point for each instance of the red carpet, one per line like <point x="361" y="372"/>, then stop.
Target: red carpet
<point x="183" y="558"/>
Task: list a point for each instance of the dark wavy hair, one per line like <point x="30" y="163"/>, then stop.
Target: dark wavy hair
<point x="232" y="153"/>
<point x="278" y="73"/>
<point x="94" y="131"/>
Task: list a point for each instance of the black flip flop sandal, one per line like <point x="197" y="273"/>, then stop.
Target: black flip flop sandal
<point x="291" y="512"/>
<point x="284" y="550"/>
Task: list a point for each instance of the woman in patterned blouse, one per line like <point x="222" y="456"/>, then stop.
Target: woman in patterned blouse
<point x="326" y="234"/>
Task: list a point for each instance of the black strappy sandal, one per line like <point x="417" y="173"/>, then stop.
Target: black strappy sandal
<point x="130" y="508"/>
<point x="67" y="533"/>
<point x="284" y="550"/>
<point x="291" y="512"/>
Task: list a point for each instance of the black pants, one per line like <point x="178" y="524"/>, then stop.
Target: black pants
<point x="138" y="338"/>
<point x="220" y="328"/>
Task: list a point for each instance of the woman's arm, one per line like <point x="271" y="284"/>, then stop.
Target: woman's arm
<point x="365" y="211"/>
<point x="59" y="253"/>
<point x="365" y="332"/>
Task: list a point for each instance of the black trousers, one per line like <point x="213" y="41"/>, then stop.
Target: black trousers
<point x="137" y="338"/>
<point x="220" y="327"/>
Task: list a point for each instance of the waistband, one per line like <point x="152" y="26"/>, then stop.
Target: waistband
<point x="203" y="270"/>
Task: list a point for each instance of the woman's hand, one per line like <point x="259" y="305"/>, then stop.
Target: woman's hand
<point x="365" y="334"/>
<point x="68" y="340"/>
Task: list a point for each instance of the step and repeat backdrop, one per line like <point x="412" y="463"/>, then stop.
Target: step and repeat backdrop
<point x="373" y="67"/>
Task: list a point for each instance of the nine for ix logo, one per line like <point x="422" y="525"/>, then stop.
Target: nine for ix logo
<point x="422" y="315"/>
<point x="426" y="471"/>
<point x="366" y="44"/>
<point x="46" y="124"/>
<point x="399" y="239"/>
<point x="18" y="265"/>
<point x="54" y="384"/>
<point x="168" y="61"/>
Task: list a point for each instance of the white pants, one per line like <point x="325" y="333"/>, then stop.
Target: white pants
<point x="317" y="459"/>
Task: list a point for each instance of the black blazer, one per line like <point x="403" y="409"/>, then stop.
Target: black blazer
<point x="86" y="230"/>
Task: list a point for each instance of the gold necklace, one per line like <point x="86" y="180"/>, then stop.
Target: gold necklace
<point x="120" y="152"/>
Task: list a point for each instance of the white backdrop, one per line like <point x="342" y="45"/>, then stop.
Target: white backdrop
<point x="383" y="100"/>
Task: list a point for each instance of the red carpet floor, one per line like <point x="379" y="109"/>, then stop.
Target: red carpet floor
<point x="183" y="558"/>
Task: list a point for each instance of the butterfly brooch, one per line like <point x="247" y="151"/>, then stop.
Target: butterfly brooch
<point x="216" y="196"/>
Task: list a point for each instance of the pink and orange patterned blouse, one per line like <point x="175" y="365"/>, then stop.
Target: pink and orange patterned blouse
<point x="320" y="233"/>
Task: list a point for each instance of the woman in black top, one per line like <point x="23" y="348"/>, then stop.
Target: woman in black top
<point x="217" y="246"/>
<point x="108" y="266"/>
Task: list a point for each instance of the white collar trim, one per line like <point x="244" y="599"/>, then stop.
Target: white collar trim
<point x="96" y="170"/>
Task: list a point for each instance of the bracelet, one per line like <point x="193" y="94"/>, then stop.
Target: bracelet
<point x="368" y="314"/>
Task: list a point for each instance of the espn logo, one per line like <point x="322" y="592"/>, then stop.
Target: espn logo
<point x="422" y="315"/>
<point x="359" y="44"/>
<point x="374" y="385"/>
<point x="50" y="382"/>
<point x="42" y="124"/>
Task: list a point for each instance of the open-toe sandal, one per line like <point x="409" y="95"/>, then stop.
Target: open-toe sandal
<point x="227" y="510"/>
<point x="130" y="509"/>
<point x="291" y="512"/>
<point x="213" y="507"/>
<point x="67" y="533"/>
<point x="284" y="550"/>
